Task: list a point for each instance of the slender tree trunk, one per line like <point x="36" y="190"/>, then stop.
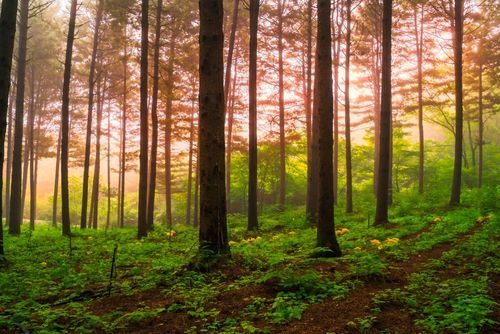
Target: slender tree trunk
<point x="143" y="155"/>
<point x="108" y="215"/>
<point x="457" y="167"/>
<point x="34" y="156"/>
<point x="7" y="36"/>
<point x="471" y="144"/>
<point x="282" y="194"/>
<point x="15" y="209"/>
<point x="252" y="149"/>
<point x="154" y="120"/>
<point x="419" y="32"/>
<point x="311" y="199"/>
<point x="232" y="38"/>
<point x="31" y="149"/>
<point x="190" y="166"/>
<point x="94" y="203"/>
<point x="197" y="189"/>
<point x="90" y="107"/>
<point x="123" y="160"/>
<point x="9" y="158"/>
<point x="324" y="104"/>
<point x="381" y="216"/>
<point x="481" y="125"/>
<point x="348" y="157"/>
<point x="66" y="224"/>
<point x="336" y="110"/>
<point x="168" y="132"/>
<point x="213" y="225"/>
<point x="56" y="181"/>
<point x="229" y="143"/>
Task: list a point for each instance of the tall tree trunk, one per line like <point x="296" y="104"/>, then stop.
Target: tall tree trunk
<point x="123" y="160"/>
<point x="381" y="216"/>
<point x="56" y="180"/>
<point x="480" y="123"/>
<point x="7" y="35"/>
<point x="66" y="224"/>
<point x="348" y="156"/>
<point x="197" y="188"/>
<point x="213" y="224"/>
<point x="190" y="165"/>
<point x="8" y="173"/>
<point x="168" y="132"/>
<point x="310" y="200"/>
<point x="15" y="209"/>
<point x="108" y="172"/>
<point x="252" y="142"/>
<point x="94" y="203"/>
<point x="229" y="143"/>
<point x="419" y="33"/>
<point x="31" y="149"/>
<point x="324" y="104"/>
<point x="336" y="66"/>
<point x="143" y="155"/>
<point x="90" y="107"/>
<point x="232" y="38"/>
<point x="34" y="157"/>
<point x="154" y="120"/>
<point x="457" y="166"/>
<point x="282" y="193"/>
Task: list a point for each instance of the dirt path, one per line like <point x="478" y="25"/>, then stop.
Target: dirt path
<point x="340" y="316"/>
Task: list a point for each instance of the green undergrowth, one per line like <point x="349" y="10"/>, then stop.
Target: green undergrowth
<point x="51" y="283"/>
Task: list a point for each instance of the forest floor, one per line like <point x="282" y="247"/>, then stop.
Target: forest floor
<point x="432" y="272"/>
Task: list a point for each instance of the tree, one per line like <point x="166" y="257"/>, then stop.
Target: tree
<point x="66" y="224"/>
<point x="252" y="115"/>
<point x="213" y="224"/>
<point x="381" y="216"/>
<point x="282" y="193"/>
<point x="458" y="45"/>
<point x="143" y="155"/>
<point x="154" y="119"/>
<point x="348" y="154"/>
<point x="86" y="166"/>
<point x="419" y="43"/>
<point x="16" y="214"/>
<point x="324" y="104"/>
<point x="7" y="35"/>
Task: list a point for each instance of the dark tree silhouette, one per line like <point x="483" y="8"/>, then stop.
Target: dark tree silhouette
<point x="381" y="216"/>
<point x="7" y="35"/>
<point x="324" y="104"/>
<point x="143" y="155"/>
<point x="213" y="224"/>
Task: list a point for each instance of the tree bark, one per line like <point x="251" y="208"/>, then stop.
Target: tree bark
<point x="108" y="172"/>
<point x="168" y="132"/>
<point x="66" y="224"/>
<point x="190" y="166"/>
<point x="229" y="144"/>
<point x="457" y="166"/>
<point x="7" y="36"/>
<point x="86" y="165"/>
<point x="154" y="120"/>
<point x="56" y="180"/>
<point x="232" y="38"/>
<point x="252" y="142"/>
<point x="213" y="224"/>
<point x="143" y="155"/>
<point x="123" y="160"/>
<point x="381" y="216"/>
<point x="16" y="197"/>
<point x="419" y="32"/>
<point x="282" y="193"/>
<point x="480" y="122"/>
<point x="324" y="104"/>
<point x="8" y="173"/>
<point x="348" y="157"/>
<point x="310" y="185"/>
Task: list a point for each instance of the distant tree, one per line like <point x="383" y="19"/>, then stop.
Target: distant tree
<point x="281" y="98"/>
<point x="381" y="216"/>
<point x="143" y="157"/>
<point x="348" y="153"/>
<point x="154" y="119"/>
<point x="66" y="224"/>
<point x="458" y="45"/>
<point x="213" y="224"/>
<point x="324" y="104"/>
<point x="252" y="105"/>
<point x="7" y="35"/>
<point x="16" y="215"/>
<point x="92" y="80"/>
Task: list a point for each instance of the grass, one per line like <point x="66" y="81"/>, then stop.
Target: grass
<point x="49" y="287"/>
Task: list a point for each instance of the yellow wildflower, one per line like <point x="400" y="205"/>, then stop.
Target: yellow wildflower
<point x="291" y="233"/>
<point x="437" y="219"/>
<point x="275" y="237"/>
<point x="44" y="264"/>
<point x="375" y="242"/>
<point x="357" y="248"/>
<point x="392" y="241"/>
<point x="342" y="231"/>
<point x="232" y="243"/>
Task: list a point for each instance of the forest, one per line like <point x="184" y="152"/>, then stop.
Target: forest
<point x="250" y="166"/>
